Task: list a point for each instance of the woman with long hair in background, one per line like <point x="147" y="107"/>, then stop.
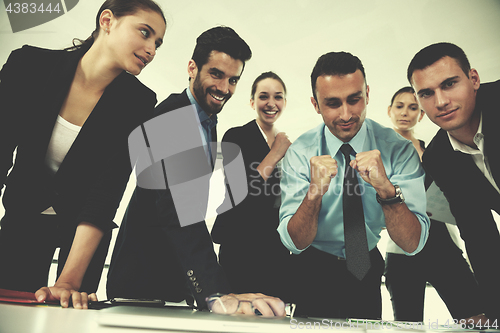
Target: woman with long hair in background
<point x="251" y="251"/>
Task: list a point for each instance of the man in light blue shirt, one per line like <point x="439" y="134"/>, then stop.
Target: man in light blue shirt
<point x="312" y="215"/>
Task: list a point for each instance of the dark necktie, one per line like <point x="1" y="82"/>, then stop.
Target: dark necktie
<point x="356" y="245"/>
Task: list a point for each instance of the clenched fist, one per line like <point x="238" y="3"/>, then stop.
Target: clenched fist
<point x="370" y="167"/>
<point x="280" y="145"/>
<point x="323" y="169"/>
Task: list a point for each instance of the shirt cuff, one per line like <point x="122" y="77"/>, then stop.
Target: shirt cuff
<point x="425" y="224"/>
<point x="285" y="237"/>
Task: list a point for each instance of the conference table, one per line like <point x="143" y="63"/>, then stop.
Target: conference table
<point x="18" y="318"/>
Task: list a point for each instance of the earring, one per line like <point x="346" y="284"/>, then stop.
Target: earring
<point x="107" y="31"/>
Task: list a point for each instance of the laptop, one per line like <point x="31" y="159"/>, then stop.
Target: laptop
<point x="203" y="321"/>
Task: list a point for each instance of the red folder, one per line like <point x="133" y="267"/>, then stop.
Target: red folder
<point x="14" y="296"/>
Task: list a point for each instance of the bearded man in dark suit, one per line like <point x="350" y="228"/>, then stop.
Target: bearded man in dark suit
<point x="157" y="254"/>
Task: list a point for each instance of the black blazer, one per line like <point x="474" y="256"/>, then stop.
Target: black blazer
<point x="471" y="196"/>
<point x="257" y="216"/>
<point x="154" y="257"/>
<point x="91" y="179"/>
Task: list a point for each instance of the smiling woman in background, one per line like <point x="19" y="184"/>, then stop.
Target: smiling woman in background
<point x="251" y="251"/>
<point x="69" y="113"/>
<point x="440" y="262"/>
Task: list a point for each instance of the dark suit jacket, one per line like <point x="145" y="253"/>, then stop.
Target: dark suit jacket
<point x="257" y="215"/>
<point x="472" y="197"/>
<point x="154" y="257"/>
<point x="90" y="181"/>
<point x="251" y="251"/>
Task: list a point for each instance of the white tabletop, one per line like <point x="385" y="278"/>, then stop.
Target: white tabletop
<point x="15" y="318"/>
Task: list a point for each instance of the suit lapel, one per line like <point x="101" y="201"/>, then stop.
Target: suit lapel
<point x="466" y="177"/>
<point x="51" y="97"/>
<point x="85" y="150"/>
<point x="491" y="116"/>
<point x="176" y="101"/>
<point x="260" y="147"/>
<point x="214" y="146"/>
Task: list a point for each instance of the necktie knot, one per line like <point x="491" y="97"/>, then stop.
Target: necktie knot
<point x="346" y="149"/>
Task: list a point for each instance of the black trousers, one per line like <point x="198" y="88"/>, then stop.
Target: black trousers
<point x="441" y="264"/>
<point x="27" y="246"/>
<point x="263" y="268"/>
<point x="324" y="287"/>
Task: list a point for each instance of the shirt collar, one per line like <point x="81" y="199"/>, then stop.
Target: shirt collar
<point x="478" y="140"/>
<point x="202" y="115"/>
<point x="356" y="142"/>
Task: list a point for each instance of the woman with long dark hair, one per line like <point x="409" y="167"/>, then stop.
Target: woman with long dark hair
<point x="69" y="113"/>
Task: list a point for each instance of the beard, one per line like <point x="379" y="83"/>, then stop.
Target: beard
<point x="202" y="97"/>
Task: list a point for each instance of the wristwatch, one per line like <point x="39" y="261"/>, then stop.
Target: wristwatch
<point x="399" y="198"/>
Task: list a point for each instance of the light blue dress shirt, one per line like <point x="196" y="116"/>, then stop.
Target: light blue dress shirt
<point x="402" y="166"/>
<point x="206" y="125"/>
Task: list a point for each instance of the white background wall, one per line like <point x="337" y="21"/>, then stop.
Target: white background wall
<point x="287" y="36"/>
